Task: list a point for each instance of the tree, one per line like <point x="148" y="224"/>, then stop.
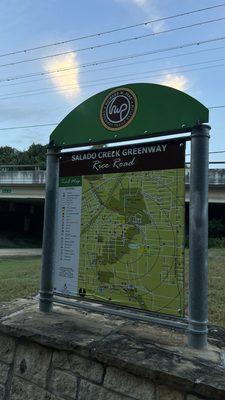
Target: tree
<point x="34" y="155"/>
<point x="9" y="155"/>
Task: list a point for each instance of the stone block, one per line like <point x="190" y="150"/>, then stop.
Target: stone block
<point x="2" y="392"/>
<point x="90" y="391"/>
<point x="63" y="384"/>
<point x="80" y="366"/>
<point x="7" y="347"/>
<point x="60" y="360"/>
<point x="32" y="363"/>
<point x="130" y="385"/>
<point x="4" y="370"/>
<point x="85" y="368"/>
<point x="164" y="392"/>
<point x="23" y="390"/>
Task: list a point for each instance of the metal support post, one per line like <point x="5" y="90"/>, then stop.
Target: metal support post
<point x="46" y="290"/>
<point x="198" y="238"/>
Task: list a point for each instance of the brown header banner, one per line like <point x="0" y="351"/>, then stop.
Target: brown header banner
<point x="136" y="157"/>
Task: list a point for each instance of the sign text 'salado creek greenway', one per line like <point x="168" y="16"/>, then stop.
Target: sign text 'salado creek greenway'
<point x="114" y="216"/>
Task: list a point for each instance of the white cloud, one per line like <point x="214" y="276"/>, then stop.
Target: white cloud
<point x="62" y="79"/>
<point x="179" y="82"/>
<point x="140" y="3"/>
<point x="150" y="9"/>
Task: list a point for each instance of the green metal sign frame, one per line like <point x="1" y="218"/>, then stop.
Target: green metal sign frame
<point x="159" y="110"/>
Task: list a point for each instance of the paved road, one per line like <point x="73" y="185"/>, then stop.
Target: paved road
<point x="19" y="252"/>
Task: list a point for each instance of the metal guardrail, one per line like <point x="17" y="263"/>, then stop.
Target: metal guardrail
<point x="35" y="174"/>
<point x="25" y="167"/>
<point x="21" y="175"/>
<point x="216" y="176"/>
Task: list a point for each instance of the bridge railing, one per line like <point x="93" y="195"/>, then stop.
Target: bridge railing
<point x="25" y="167"/>
<point x="22" y="175"/>
<point x="35" y="174"/>
<point x="216" y="175"/>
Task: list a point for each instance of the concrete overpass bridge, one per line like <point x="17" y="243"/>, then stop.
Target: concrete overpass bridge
<point x="28" y="183"/>
<point x="22" y="193"/>
<point x="22" y="182"/>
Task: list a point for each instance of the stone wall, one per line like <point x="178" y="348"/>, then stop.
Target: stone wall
<point x="30" y="371"/>
<point x="41" y="360"/>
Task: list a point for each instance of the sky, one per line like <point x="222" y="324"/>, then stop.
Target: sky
<point x="43" y="98"/>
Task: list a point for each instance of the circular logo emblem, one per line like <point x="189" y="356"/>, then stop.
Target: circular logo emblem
<point x="118" y="109"/>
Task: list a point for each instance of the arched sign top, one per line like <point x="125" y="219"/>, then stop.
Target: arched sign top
<point x="131" y="111"/>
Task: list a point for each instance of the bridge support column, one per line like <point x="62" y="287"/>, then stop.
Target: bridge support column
<point x="46" y="290"/>
<point x="198" y="238"/>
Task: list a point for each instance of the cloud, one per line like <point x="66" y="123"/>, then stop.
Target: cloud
<point x="140" y="3"/>
<point x="179" y="82"/>
<point x="63" y="79"/>
<point x="151" y="10"/>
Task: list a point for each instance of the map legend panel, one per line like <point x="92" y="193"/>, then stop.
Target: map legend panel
<point x="68" y="220"/>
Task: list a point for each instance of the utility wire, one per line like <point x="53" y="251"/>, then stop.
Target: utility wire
<point x="210" y="162"/>
<point x="118" y="76"/>
<point x="217" y="152"/>
<point x="121" y="41"/>
<point x="112" y="30"/>
<point x="216" y="107"/>
<point x="113" y="80"/>
<point x="211" y="152"/>
<point x="122" y="65"/>
<point x="56" y="123"/>
<point x="106" y="61"/>
<point x="25" y="126"/>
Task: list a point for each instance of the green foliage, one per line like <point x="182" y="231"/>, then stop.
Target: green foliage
<point x="34" y="155"/>
<point x="216" y="228"/>
<point x="9" y="155"/>
<point x="217" y="242"/>
<point x="216" y="234"/>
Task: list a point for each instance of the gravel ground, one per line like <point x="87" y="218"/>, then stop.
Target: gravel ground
<point x="20" y="252"/>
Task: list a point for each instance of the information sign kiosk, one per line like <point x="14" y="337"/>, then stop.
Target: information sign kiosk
<point x="114" y="214"/>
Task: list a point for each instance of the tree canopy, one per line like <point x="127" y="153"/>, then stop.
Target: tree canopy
<point x="34" y="155"/>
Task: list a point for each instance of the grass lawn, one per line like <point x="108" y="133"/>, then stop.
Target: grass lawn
<point x="20" y="277"/>
<point x="217" y="286"/>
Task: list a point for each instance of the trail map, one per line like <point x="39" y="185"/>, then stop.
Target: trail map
<point x="131" y="231"/>
<point x="131" y="248"/>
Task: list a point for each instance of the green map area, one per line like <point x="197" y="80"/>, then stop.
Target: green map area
<point x="132" y="236"/>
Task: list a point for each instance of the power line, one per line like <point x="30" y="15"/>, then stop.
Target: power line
<point x="211" y="152"/>
<point x="216" y="162"/>
<point x="56" y="123"/>
<point x="46" y="89"/>
<point x="215" y="107"/>
<point x="111" y="81"/>
<point x="113" y="30"/>
<point x="106" y="61"/>
<point x="123" y="65"/>
<point x="210" y="162"/>
<point x="25" y="126"/>
<point x="121" y="41"/>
